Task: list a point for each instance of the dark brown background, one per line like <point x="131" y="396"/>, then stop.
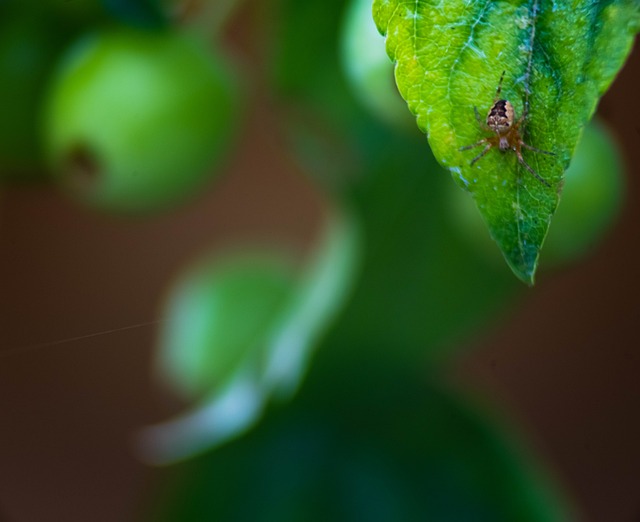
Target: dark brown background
<point x="565" y="363"/>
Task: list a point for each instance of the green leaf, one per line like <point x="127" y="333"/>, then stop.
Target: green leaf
<point x="558" y="59"/>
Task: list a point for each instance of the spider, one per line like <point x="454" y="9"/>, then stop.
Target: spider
<point x="500" y="120"/>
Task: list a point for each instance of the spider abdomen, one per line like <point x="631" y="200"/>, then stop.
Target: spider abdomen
<point x="500" y="117"/>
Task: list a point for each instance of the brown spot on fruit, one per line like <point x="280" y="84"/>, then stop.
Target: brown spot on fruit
<point x="81" y="168"/>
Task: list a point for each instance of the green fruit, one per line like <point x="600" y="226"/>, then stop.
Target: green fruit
<point x="137" y="120"/>
<point x="368" y="68"/>
<point x="589" y="203"/>
<point x="219" y="320"/>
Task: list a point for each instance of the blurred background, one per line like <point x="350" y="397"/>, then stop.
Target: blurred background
<point x="427" y="383"/>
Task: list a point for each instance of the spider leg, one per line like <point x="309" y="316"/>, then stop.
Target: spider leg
<point x="535" y="174"/>
<point x="537" y="150"/>
<point x="469" y="147"/>
<point x="484" y="151"/>
<point x="499" y="89"/>
<point x="481" y="122"/>
<point x="521" y="119"/>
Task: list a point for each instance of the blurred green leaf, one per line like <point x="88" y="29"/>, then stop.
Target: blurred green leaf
<point x="83" y="14"/>
<point x="364" y="443"/>
<point x="559" y="58"/>
<point x="367" y="66"/>
<point x="320" y="117"/>
<point x="243" y="332"/>
<point x="320" y="298"/>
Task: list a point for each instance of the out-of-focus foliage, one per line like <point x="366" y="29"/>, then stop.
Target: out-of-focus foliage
<point x="80" y="14"/>
<point x="591" y="198"/>
<point x="88" y="13"/>
<point x="240" y="332"/>
<point x="29" y="48"/>
<point x="558" y="58"/>
<point x="141" y="13"/>
<point x="421" y="289"/>
<point x="367" y="66"/>
<point x="138" y="120"/>
<point x="363" y="442"/>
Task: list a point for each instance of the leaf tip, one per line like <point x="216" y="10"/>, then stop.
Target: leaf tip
<point x="526" y="273"/>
